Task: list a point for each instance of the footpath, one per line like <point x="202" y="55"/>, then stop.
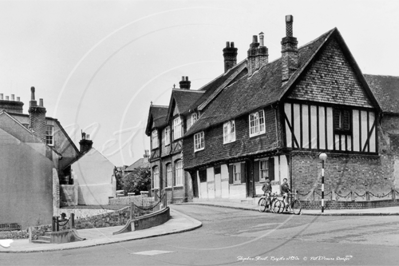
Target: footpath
<point x="178" y="223"/>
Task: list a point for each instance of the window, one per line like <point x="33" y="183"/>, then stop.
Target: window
<point x="177" y="128"/>
<point x="202" y="175"/>
<point x="257" y="123"/>
<point x="169" y="175"/>
<point x="166" y="136"/>
<point x="49" y="135"/>
<point x="178" y="173"/>
<point x="191" y="120"/>
<point x="217" y="170"/>
<point x="263" y="170"/>
<point x="237" y="173"/>
<point x="194" y="118"/>
<point x="229" y="132"/>
<point x="155" y="172"/>
<point x="342" y="120"/>
<point x="199" y="141"/>
<point x="154" y="139"/>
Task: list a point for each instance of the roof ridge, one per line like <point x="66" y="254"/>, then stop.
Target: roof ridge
<point x="220" y="88"/>
<point x="184" y="90"/>
<point x="376" y="75"/>
<point x="221" y="75"/>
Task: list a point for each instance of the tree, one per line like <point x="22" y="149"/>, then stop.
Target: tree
<point x="136" y="181"/>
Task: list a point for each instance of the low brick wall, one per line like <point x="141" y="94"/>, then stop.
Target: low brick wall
<point x="104" y="220"/>
<point x="138" y="200"/>
<point x="146" y="221"/>
<point x="336" y="205"/>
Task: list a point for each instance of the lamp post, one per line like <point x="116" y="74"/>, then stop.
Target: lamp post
<point x="323" y="158"/>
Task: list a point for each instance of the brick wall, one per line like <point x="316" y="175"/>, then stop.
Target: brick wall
<point x="215" y="150"/>
<point x="343" y="173"/>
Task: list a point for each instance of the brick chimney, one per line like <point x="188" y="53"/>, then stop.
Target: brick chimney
<point x="253" y="63"/>
<point x="37" y="116"/>
<point x="11" y="106"/>
<point x="230" y="56"/>
<point x="185" y="83"/>
<point x="85" y="143"/>
<point x="289" y="50"/>
<point x="263" y="52"/>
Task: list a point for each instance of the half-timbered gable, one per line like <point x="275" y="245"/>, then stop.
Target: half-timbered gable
<point x="330" y="106"/>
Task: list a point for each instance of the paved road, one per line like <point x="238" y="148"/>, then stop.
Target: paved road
<point x="237" y="237"/>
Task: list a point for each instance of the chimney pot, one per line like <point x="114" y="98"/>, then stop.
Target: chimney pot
<point x="232" y="44"/>
<point x="18" y="99"/>
<point x="7" y="98"/>
<point x="289" y="19"/>
<point x="41" y="102"/>
<point x="12" y="97"/>
<point x="1" y="96"/>
<point x="227" y="44"/>
<point x="185" y="83"/>
<point x="32" y="89"/>
<point x="261" y="38"/>
<point x="254" y="39"/>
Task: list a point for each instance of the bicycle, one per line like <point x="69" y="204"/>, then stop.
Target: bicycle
<point x="265" y="202"/>
<point x="294" y="205"/>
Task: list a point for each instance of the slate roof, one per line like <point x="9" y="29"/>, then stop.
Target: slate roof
<point x="386" y="91"/>
<point x="157" y="116"/>
<point x="263" y="88"/>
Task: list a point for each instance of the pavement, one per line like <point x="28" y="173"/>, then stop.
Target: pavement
<point x="178" y="223"/>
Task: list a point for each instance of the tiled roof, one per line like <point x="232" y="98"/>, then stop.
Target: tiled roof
<point x="185" y="98"/>
<point x="157" y="116"/>
<point x="386" y="91"/>
<point x="142" y="162"/>
<point x="247" y="94"/>
<point x="212" y="86"/>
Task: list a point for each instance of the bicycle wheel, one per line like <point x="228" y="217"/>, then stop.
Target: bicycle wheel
<point x="296" y="207"/>
<point x="277" y="206"/>
<point x="268" y="205"/>
<point x="262" y="204"/>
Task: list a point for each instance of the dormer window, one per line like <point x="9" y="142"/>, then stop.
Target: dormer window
<point x="154" y="139"/>
<point x="177" y="128"/>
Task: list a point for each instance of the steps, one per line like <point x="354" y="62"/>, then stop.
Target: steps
<point x="46" y="239"/>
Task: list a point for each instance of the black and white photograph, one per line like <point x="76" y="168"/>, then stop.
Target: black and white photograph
<point x="199" y="132"/>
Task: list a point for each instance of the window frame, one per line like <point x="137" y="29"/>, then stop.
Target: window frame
<point x="236" y="174"/>
<point x="228" y="135"/>
<point x="257" y="123"/>
<point x="199" y="141"/>
<point x="261" y="170"/>
<point x="155" y="176"/>
<point x="50" y="137"/>
<point x="154" y="136"/>
<point x="169" y="175"/>
<point x="342" y="126"/>
<point x="167" y="136"/>
<point x="178" y="173"/>
<point x="177" y="128"/>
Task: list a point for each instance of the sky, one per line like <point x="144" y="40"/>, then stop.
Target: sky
<point x="98" y="65"/>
